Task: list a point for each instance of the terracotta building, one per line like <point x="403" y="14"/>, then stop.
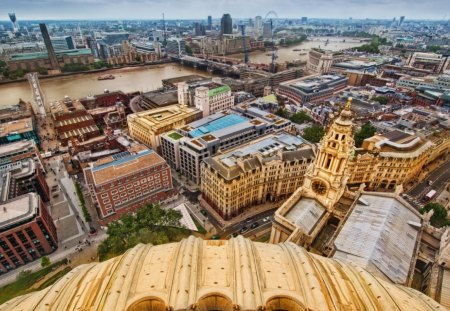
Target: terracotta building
<point x="123" y="182"/>
<point x="27" y="231"/>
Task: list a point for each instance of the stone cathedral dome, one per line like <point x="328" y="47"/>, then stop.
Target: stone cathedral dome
<point x="237" y="274"/>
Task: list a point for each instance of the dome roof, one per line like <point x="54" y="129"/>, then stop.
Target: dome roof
<point x="237" y="274"/>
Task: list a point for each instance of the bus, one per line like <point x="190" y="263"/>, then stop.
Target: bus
<point x="429" y="195"/>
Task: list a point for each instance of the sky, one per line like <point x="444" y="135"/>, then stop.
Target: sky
<point x="200" y="9"/>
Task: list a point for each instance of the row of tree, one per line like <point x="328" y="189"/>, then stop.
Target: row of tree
<point x="150" y="224"/>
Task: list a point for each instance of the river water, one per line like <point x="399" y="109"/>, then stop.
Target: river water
<point x="148" y="78"/>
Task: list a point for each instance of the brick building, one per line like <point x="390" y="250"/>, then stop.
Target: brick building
<point x="126" y="181"/>
<point x="105" y="100"/>
<point x="27" y="231"/>
<point x="78" y="124"/>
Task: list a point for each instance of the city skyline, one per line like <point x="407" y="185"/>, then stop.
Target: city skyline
<point x="176" y="9"/>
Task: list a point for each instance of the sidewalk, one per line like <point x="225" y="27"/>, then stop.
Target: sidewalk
<point x="58" y="255"/>
<point x="250" y="212"/>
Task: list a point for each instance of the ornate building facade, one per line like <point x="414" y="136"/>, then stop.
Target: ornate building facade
<point x="206" y="275"/>
<point x="306" y="212"/>
<point x="268" y="169"/>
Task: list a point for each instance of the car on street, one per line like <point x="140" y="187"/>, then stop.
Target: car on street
<point x="215" y="237"/>
<point x="233" y="235"/>
<point x="243" y="230"/>
<point x="254" y="225"/>
<point x="204" y="212"/>
<point x="266" y="219"/>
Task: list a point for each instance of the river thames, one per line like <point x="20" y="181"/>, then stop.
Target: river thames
<point x="148" y="78"/>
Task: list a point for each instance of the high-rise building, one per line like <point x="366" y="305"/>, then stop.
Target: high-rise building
<point x="209" y="26"/>
<point x="13" y="19"/>
<point x="402" y="19"/>
<point x="199" y="29"/>
<point x="267" y="30"/>
<point x="258" y="22"/>
<point x="226" y="25"/>
<point x="304" y="19"/>
<point x="63" y="43"/>
<point x="48" y="44"/>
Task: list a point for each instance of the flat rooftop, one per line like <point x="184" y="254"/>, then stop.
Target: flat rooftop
<point x="122" y="164"/>
<point x="315" y="83"/>
<point x="380" y="235"/>
<point x="16" y="147"/>
<point x="17" y="126"/>
<point x="161" y="117"/>
<point x="217" y="124"/>
<point x="305" y="214"/>
<point x="41" y="55"/>
<point x="19" y="209"/>
<point x="161" y="98"/>
<point x="265" y="147"/>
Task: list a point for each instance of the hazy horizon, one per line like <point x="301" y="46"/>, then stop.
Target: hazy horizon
<point x="196" y="9"/>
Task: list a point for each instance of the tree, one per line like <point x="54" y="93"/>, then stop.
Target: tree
<point x="439" y="218"/>
<point x="300" y="117"/>
<point x="366" y="131"/>
<point x="383" y="100"/>
<point x="314" y="133"/>
<point x="150" y="224"/>
<point x="45" y="261"/>
<point x="282" y="113"/>
<point x="23" y="275"/>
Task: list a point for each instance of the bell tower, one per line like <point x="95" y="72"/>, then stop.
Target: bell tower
<point x="326" y="179"/>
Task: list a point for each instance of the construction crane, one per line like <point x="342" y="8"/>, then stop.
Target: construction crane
<point x="243" y="43"/>
<point x="272" y="66"/>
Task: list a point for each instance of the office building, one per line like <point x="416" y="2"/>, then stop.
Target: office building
<point x="267" y="30"/>
<point x="402" y="19"/>
<point x="213" y="97"/>
<point x="311" y="89"/>
<point x="126" y="181"/>
<point x="63" y="43"/>
<point x="21" y="177"/>
<point x="199" y="29"/>
<point x="258" y="23"/>
<point x="22" y="110"/>
<point x="265" y="170"/>
<point x="186" y="147"/>
<point x="147" y="126"/>
<point x="48" y="45"/>
<point x="14" y="22"/>
<point x="430" y="62"/>
<point x="21" y="150"/>
<point x="387" y="160"/>
<point x="27" y="231"/>
<point x="320" y="61"/>
<point x="226" y="25"/>
<point x="209" y="25"/>
<point x="17" y="130"/>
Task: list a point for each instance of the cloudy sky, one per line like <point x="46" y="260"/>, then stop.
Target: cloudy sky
<point x="191" y="9"/>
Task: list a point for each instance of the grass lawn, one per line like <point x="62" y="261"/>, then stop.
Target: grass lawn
<point x="22" y="286"/>
<point x="175" y="135"/>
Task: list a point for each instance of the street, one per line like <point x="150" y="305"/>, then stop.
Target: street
<point x="438" y="178"/>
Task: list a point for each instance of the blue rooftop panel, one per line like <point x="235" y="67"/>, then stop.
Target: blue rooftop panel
<point x="217" y="125"/>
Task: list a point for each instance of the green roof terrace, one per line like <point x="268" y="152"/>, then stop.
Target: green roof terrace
<point x="218" y="90"/>
<point x="175" y="135"/>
